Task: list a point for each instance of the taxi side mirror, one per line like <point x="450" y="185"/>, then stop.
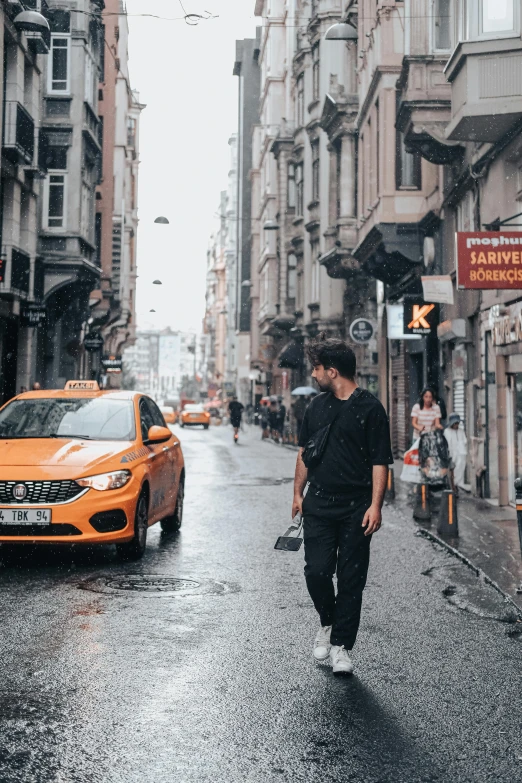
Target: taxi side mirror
<point x="158" y="434"/>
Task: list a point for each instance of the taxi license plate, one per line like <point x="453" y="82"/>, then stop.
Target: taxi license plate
<point x="194" y="415"/>
<point x="25" y="516"/>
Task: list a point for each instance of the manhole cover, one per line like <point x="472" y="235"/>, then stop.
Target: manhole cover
<point x="154" y="584"/>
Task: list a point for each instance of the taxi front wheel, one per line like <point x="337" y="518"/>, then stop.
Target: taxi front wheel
<point x="135" y="549"/>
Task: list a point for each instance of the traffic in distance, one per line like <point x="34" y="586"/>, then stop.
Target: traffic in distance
<point x="82" y="465"/>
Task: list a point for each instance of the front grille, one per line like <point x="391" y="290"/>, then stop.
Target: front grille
<point x="37" y="531"/>
<point x="44" y="492"/>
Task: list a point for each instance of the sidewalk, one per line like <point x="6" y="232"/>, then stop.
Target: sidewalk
<point x="488" y="536"/>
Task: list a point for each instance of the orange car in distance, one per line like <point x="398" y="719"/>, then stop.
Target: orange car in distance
<point x="169" y="414"/>
<point x="88" y="466"/>
<point x="193" y="415"/>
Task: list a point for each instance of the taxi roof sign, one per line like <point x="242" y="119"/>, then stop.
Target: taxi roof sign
<point x="81" y="386"/>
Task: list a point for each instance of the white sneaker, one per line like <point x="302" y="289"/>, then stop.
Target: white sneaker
<point x="322" y="643"/>
<point x="341" y="663"/>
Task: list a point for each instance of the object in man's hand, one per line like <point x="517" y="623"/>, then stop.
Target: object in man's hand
<point x="291" y="541"/>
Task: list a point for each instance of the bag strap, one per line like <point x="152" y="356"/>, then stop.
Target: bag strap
<point x="351" y="399"/>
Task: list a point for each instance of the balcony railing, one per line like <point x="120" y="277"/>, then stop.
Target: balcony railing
<point x="19" y="133"/>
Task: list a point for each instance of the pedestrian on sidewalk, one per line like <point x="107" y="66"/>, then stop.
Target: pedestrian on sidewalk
<point x="281" y="417"/>
<point x="426" y="414"/>
<point x="273" y="419"/>
<point x="346" y="485"/>
<point x="298" y="409"/>
<point x="458" y="449"/>
<point x="235" y="409"/>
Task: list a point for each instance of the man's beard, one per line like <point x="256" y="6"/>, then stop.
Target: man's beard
<point x="325" y="385"/>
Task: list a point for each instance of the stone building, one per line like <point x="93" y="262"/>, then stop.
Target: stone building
<point x="24" y="161"/>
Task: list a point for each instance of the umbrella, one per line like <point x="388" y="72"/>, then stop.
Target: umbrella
<point x="303" y="391"/>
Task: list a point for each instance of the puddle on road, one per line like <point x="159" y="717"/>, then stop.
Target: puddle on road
<point x="155" y="585"/>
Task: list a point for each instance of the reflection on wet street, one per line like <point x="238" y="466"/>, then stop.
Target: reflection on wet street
<point x="195" y="663"/>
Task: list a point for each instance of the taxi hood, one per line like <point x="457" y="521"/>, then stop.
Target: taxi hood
<point x="81" y="455"/>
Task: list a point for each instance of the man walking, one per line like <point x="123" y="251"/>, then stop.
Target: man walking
<point x="235" y="408"/>
<point x="346" y="486"/>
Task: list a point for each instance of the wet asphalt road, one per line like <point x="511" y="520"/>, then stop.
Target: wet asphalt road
<point x="110" y="674"/>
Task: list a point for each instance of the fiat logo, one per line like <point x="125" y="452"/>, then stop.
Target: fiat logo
<point x="19" y="491"/>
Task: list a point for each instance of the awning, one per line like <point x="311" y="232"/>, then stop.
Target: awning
<point x="391" y="250"/>
<point x="291" y="356"/>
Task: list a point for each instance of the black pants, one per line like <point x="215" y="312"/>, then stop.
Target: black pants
<point x="334" y="538"/>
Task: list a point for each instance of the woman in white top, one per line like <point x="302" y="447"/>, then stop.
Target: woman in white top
<point x="425" y="415"/>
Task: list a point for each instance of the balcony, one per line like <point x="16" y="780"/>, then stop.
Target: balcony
<point x="486" y="89"/>
<point x="424" y="109"/>
<point x="18" y="134"/>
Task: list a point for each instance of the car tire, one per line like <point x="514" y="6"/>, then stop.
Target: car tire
<point x="181" y="424"/>
<point x="205" y="426"/>
<point x="135" y="549"/>
<point x="173" y="523"/>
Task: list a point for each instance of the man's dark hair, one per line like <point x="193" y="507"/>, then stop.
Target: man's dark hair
<point x="332" y="352"/>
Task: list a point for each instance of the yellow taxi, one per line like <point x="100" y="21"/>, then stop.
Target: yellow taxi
<point x="88" y="466"/>
<point x="169" y="414"/>
<point x="193" y="415"/>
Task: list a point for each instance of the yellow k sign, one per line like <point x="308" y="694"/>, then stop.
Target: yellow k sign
<point x="419" y="316"/>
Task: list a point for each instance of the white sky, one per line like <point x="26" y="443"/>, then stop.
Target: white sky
<point x="184" y="75"/>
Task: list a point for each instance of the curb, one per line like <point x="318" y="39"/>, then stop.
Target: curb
<point x="478" y="571"/>
<point x="281" y="445"/>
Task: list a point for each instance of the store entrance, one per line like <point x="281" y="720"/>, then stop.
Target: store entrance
<point x="514" y="417"/>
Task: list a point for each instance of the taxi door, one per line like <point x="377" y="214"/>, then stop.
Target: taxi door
<point x="160" y="463"/>
<point x="173" y="463"/>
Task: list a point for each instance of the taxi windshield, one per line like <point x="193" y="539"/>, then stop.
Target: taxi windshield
<point x="97" y="418"/>
<point x="194" y="408"/>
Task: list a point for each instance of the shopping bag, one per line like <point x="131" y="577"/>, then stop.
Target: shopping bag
<point x="410" y="471"/>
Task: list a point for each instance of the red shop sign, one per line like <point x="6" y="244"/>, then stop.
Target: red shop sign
<point x="489" y="259"/>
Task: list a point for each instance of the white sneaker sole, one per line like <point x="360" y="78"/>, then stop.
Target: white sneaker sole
<point x="343" y="672"/>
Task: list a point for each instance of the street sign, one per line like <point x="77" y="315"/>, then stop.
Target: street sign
<point x="438" y="288"/>
<point x="33" y="315"/>
<point x="361" y="331"/>
<point x="420" y="317"/>
<point x="395" y="318"/>
<point x="112" y="364"/>
<point x="93" y="342"/>
<point x="489" y="259"/>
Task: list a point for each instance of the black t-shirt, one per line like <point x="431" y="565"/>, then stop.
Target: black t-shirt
<point x="236" y="409"/>
<point x="358" y="439"/>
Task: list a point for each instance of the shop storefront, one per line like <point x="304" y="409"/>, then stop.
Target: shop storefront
<point x="502" y="340"/>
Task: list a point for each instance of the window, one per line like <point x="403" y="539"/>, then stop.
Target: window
<point x="466" y="213"/>
<point x="299" y="189"/>
<point x="59" y="64"/>
<point x="408" y="166"/>
<point x="338" y="180"/>
<point x="131" y="132"/>
<point x="316" y="269"/>
<point x="442" y="25"/>
<point x="300" y="101"/>
<point x="54" y="200"/>
<point x="316" y="171"/>
<point x="489" y="19"/>
<point x="299" y="300"/>
<point x="316" y="68"/>
<point x="150" y="416"/>
<point x="291" y="186"/>
<point x="292" y="276"/>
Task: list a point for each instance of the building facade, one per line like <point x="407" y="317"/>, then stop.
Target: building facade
<point x="24" y="161"/>
<point x="66" y="181"/>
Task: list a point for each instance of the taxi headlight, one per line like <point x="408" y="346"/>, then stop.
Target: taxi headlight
<point x="102" y="481"/>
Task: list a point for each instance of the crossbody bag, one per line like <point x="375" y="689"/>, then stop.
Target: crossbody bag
<point x="316" y="445"/>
